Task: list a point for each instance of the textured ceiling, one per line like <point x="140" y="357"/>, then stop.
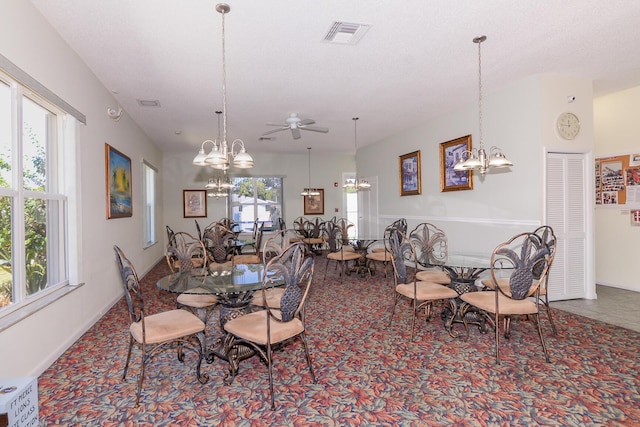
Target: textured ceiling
<point x="416" y="62"/>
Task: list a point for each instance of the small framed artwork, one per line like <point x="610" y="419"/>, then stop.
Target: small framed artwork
<point x="450" y="153"/>
<point x="314" y="205"/>
<point x="194" y="203"/>
<point x="410" y="181"/>
<point x="118" y="179"/>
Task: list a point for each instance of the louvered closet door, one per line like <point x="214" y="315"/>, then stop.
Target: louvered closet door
<point x="566" y="213"/>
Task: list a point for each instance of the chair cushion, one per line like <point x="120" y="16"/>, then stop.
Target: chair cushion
<point x="436" y="276"/>
<point x="246" y="259"/>
<point x="166" y="326"/>
<point x="379" y="256"/>
<point x="253" y="327"/>
<point x="486" y="300"/>
<point x="197" y="300"/>
<point x="273" y="296"/>
<point x="379" y="249"/>
<point x="344" y="256"/>
<point x="426" y="291"/>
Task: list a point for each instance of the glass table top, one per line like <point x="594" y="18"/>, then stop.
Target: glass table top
<point x="221" y="280"/>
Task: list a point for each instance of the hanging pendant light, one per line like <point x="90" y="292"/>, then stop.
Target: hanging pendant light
<point x="477" y="158"/>
<point x="309" y="191"/>
<point x="221" y="156"/>
<point x="355" y="183"/>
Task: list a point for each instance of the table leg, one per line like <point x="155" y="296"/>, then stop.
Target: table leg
<point x="231" y="307"/>
<point x="453" y="315"/>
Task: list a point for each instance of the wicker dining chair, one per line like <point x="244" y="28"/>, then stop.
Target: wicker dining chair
<point x="264" y="329"/>
<point x="527" y="264"/>
<point x="431" y="247"/>
<point x="152" y="333"/>
<point x="422" y="294"/>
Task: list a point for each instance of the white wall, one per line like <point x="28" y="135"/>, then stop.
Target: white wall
<point x="519" y="119"/>
<point x="501" y="203"/>
<point x="29" y="42"/>
<point x="326" y="169"/>
<point x="617" y="127"/>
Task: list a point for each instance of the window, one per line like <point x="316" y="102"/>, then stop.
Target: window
<point x="256" y="198"/>
<point x="149" y="175"/>
<point x="350" y="203"/>
<point x="33" y="204"/>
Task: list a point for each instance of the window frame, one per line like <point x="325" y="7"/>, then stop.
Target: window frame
<point x="255" y="204"/>
<point x="60" y="142"/>
<point x="150" y="217"/>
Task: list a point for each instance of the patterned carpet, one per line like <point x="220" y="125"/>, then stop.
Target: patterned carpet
<point x="368" y="373"/>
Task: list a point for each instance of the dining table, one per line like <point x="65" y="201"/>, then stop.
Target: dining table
<point x="464" y="268"/>
<point x="234" y="285"/>
<point x="361" y="244"/>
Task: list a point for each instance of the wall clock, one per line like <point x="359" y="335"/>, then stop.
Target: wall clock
<point x="568" y="125"/>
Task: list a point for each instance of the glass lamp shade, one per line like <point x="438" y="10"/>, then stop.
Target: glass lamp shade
<point x="364" y="184"/>
<point x="310" y="192"/>
<point x="498" y="160"/>
<point x="216" y="158"/>
<point x="198" y="160"/>
<point x="243" y="160"/>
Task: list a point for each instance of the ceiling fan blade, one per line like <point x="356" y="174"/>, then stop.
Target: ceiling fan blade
<point x="276" y="124"/>
<point x="314" y="128"/>
<point x="306" y="122"/>
<point x="296" y="133"/>
<point x="275" y="130"/>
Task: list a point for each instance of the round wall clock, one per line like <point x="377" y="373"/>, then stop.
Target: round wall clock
<point x="568" y="125"/>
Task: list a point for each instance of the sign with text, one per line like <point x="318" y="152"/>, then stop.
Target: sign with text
<point x="19" y="402"/>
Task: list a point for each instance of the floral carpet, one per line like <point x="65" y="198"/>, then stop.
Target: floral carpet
<point x="368" y="372"/>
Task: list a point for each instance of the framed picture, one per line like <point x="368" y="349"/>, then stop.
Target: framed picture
<point x="410" y="181"/>
<point x="118" y="179"/>
<point x="194" y="203"/>
<point x="451" y="152"/>
<point x="314" y="205"/>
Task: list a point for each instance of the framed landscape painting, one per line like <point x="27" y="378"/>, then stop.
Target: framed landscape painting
<point x="118" y="179"/>
<point x="410" y="181"/>
<point x="451" y="152"/>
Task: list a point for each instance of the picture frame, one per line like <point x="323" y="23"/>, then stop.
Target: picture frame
<point x="450" y="153"/>
<point x="314" y="205"/>
<point x="194" y="203"/>
<point x="410" y="177"/>
<point x="118" y="183"/>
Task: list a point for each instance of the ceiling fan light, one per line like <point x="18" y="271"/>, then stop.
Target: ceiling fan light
<point x="364" y="184"/>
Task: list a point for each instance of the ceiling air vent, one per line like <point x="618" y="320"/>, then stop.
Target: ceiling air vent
<point x="148" y="103"/>
<point x="345" y="33"/>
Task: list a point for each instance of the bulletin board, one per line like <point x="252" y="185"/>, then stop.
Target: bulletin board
<point x="618" y="180"/>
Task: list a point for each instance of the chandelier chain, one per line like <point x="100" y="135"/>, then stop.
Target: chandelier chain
<point x="480" y="93"/>
<point x="224" y="82"/>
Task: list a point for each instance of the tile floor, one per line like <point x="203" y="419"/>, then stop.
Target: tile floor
<point x="616" y="306"/>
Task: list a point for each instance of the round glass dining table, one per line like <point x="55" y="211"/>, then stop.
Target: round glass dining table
<point x="234" y="285"/>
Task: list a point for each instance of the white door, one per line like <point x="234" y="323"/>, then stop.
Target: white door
<point x="566" y="214"/>
<point x="368" y="210"/>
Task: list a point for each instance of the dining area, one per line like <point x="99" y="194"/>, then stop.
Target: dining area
<point x="240" y="311"/>
<point x="367" y="364"/>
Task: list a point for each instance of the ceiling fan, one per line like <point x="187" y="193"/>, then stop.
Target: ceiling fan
<point x="296" y="124"/>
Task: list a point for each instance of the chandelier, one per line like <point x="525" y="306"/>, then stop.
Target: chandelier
<point x="221" y="156"/>
<point x="309" y="191"/>
<point x="355" y="183"/>
<point x="477" y="159"/>
<point x="218" y="187"/>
